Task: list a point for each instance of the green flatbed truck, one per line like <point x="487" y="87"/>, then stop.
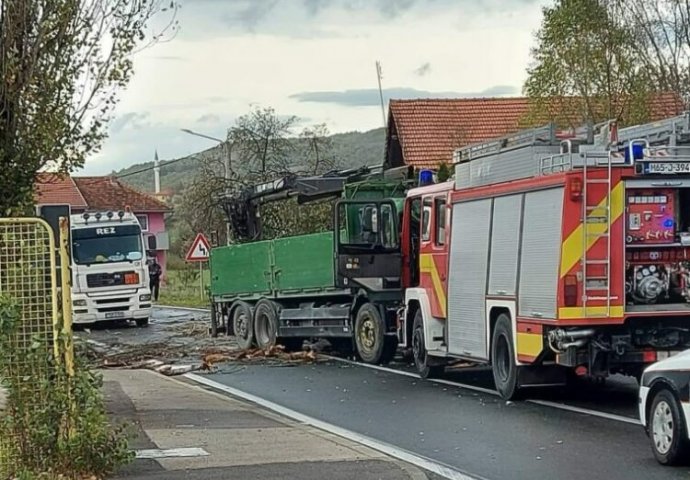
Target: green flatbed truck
<point x="344" y="287"/>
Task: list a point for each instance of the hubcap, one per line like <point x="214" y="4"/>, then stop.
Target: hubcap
<point x="241" y="326"/>
<point x="367" y="334"/>
<point x="662" y="427"/>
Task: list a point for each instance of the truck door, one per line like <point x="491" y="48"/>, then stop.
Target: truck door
<point x="367" y="246"/>
<point x="433" y="259"/>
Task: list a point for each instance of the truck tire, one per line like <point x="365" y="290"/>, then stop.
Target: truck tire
<point x="419" y="353"/>
<point x="142" y="322"/>
<point x="373" y="346"/>
<point x="243" y="325"/>
<point x="265" y="324"/>
<point x="503" y="365"/>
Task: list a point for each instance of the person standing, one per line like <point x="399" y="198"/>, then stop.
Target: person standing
<point x="154" y="278"/>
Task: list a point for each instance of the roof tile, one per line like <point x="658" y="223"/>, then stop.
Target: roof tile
<point x="108" y="193"/>
<point x="429" y="130"/>
<point x="58" y="189"/>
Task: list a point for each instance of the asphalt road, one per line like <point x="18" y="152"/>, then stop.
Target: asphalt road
<point x="468" y="428"/>
<point x="474" y="432"/>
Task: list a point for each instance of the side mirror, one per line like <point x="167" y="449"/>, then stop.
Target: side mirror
<point x="151" y="239"/>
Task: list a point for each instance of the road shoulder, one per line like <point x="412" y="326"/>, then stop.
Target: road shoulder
<point x="194" y="433"/>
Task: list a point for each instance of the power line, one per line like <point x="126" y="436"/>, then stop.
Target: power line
<point x="148" y="169"/>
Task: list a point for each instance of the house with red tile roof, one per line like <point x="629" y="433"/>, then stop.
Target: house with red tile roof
<point x="86" y="194"/>
<point x="425" y="132"/>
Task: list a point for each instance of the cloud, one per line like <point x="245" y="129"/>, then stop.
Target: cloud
<point x="423" y="69"/>
<point x="208" y="118"/>
<point x="366" y="97"/>
<point x="135" y="120"/>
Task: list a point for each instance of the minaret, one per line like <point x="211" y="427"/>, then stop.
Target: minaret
<point x="156" y="174"/>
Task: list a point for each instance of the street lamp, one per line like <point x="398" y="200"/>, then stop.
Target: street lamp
<point x="227" y="166"/>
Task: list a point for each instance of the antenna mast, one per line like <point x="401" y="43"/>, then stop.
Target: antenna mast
<point x="383" y="107"/>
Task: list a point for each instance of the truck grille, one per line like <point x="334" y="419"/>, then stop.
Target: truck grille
<point x="114" y="309"/>
<point x="112" y="300"/>
<point x="96" y="280"/>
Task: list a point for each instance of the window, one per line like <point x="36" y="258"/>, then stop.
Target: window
<point x="440" y="215"/>
<point x="144" y="222"/>
<point x="426" y="220"/>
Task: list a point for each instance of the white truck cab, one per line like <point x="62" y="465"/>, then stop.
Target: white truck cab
<point x="110" y="279"/>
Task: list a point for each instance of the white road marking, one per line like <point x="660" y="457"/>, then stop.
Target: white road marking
<point x="544" y="403"/>
<point x="587" y="411"/>
<point x="438" y="468"/>
<point x="488" y="391"/>
<point x="172" y="453"/>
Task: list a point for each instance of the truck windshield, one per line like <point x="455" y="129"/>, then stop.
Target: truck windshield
<point x="107" y="244"/>
<point x="368" y="225"/>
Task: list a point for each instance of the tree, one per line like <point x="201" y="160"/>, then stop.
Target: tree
<point x="261" y="141"/>
<point x="662" y="39"/>
<point x="200" y="207"/>
<point x="443" y="172"/>
<point x="63" y="63"/>
<point x="317" y="153"/>
<point x="586" y="66"/>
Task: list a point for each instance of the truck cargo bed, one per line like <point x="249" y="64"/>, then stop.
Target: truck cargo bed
<point x="290" y="265"/>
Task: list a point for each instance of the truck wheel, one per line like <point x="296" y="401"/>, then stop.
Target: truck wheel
<point x="419" y="353"/>
<point x="265" y="324"/>
<point x="372" y="344"/>
<point x="503" y="364"/>
<point x="142" y="322"/>
<point x="243" y="325"/>
<point x="667" y="429"/>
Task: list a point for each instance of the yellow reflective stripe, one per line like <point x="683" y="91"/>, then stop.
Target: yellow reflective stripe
<point x="529" y="344"/>
<point x="565" y="313"/>
<point x="571" y="250"/>
<point x="427" y="265"/>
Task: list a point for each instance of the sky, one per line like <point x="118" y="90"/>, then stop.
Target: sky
<point x="314" y="59"/>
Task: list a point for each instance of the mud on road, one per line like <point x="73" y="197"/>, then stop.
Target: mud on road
<point x="175" y="342"/>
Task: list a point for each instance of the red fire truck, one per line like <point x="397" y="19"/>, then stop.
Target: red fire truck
<point x="553" y="254"/>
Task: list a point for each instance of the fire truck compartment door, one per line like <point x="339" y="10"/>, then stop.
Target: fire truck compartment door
<point x="540" y="253"/>
<point x="469" y="261"/>
<point x="505" y="240"/>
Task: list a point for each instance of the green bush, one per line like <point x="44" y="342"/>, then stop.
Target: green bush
<point x="54" y="424"/>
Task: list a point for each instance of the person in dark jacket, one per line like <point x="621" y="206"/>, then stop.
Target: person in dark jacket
<point x="154" y="278"/>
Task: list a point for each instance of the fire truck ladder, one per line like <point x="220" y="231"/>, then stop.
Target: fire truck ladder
<point x="596" y="222"/>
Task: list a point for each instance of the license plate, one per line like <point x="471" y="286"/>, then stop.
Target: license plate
<point x="114" y="314"/>
<point x="666" y="168"/>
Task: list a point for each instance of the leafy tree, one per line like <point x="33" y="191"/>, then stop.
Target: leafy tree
<point x="63" y="63"/>
<point x="586" y="66"/>
<point x="443" y="172"/>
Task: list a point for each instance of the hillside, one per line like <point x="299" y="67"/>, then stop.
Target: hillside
<point x="351" y="149"/>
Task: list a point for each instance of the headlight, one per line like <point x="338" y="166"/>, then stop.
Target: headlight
<point x="145" y="298"/>
<point x="79" y="303"/>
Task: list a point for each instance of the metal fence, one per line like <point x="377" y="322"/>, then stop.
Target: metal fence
<point x="28" y="277"/>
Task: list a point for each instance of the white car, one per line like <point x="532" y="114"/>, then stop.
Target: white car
<point x="664" y="403"/>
